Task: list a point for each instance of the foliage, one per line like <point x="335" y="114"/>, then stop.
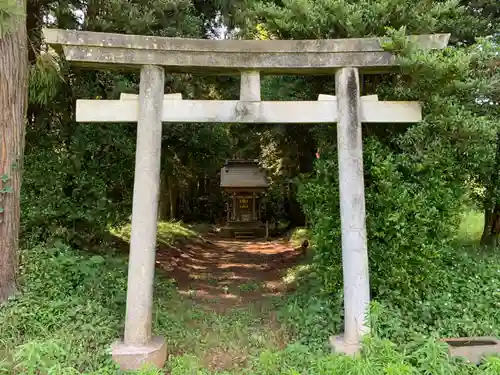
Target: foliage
<point x="301" y="19"/>
<point x="79" y="177"/>
<point x="378" y="357"/>
<point x="10" y="14"/>
<point x="193" y="153"/>
<point x="80" y="303"/>
<point x="75" y="187"/>
<point x="167" y="232"/>
<point x="461" y="84"/>
<point x="45" y="80"/>
<point x="406" y="224"/>
<point x="78" y="182"/>
<point x="66" y="327"/>
<point x="415" y="180"/>
<point x="163" y="18"/>
<point x="460" y="300"/>
<point x="69" y="333"/>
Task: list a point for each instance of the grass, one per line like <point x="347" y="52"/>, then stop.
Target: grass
<point x="471" y="228"/>
<point x="298" y="236"/>
<point x="218" y="341"/>
<point x="56" y="317"/>
<point x="72" y="307"/>
<point x="168" y="232"/>
<point x="250" y="286"/>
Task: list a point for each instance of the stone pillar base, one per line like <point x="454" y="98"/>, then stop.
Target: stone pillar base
<point x="339" y="345"/>
<point x="135" y="357"/>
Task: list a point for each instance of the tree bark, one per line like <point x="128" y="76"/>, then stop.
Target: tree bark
<point x="13" y="101"/>
<point x="164" y="203"/>
<point x="491" y="231"/>
<point x="172" y="197"/>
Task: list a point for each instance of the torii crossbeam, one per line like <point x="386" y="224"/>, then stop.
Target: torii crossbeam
<point x="343" y="58"/>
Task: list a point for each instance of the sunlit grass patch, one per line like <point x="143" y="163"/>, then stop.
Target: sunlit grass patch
<point x="168" y="232"/>
<point x="295" y="273"/>
<point x="471" y="227"/>
<point x="298" y="236"/>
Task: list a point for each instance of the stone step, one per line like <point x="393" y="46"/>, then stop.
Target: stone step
<point x="244" y="235"/>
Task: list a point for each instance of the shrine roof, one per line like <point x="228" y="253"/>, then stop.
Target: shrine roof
<point x="323" y="56"/>
<point x="243" y="174"/>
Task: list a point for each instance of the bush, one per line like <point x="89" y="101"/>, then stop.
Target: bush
<point x="411" y="215"/>
<point x="465" y="303"/>
<point x="70" y="310"/>
<point x="77" y="182"/>
<point x="422" y="282"/>
<point x="377" y="357"/>
<point x="77" y="299"/>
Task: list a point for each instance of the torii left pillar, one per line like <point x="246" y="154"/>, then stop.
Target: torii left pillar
<point x="139" y="348"/>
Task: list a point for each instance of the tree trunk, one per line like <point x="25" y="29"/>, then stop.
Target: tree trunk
<point x="172" y="196"/>
<point x="13" y="100"/>
<point x="34" y="31"/>
<point x="164" y="203"/>
<point x="491" y="231"/>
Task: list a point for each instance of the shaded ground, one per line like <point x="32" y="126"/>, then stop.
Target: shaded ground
<point x="228" y="273"/>
<point x="228" y="294"/>
<point x="223" y="313"/>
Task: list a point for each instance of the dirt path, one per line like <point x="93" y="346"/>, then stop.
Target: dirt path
<point x="229" y="272"/>
<point x="226" y="313"/>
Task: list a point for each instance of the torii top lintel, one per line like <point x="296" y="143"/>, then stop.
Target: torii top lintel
<point x="104" y="50"/>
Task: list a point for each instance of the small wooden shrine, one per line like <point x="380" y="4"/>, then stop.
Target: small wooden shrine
<point x="245" y="183"/>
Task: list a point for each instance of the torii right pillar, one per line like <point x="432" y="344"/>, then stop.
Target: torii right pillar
<point x="352" y="213"/>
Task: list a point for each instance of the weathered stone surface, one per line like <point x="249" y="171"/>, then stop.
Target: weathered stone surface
<point x="227" y="56"/>
<point x="124" y="96"/>
<point x="325" y="97"/>
<point x="144" y="208"/>
<point x="97" y="39"/>
<point x="135" y="357"/>
<point x="473" y="349"/>
<point x="339" y="345"/>
<point x="250" y="86"/>
<point x="352" y="206"/>
<point x="232" y="111"/>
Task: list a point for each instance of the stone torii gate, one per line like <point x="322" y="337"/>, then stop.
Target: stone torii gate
<point x="343" y="58"/>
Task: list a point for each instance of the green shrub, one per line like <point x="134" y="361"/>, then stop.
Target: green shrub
<point x="76" y="182"/>
<point x="72" y="305"/>
<point x="70" y="310"/>
<point x="417" y="180"/>
<point x="411" y="215"/>
<point x="377" y="357"/>
<point x="423" y="283"/>
<point x="77" y="298"/>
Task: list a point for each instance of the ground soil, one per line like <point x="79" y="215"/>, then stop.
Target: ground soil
<point x="231" y="272"/>
<point x="227" y="303"/>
